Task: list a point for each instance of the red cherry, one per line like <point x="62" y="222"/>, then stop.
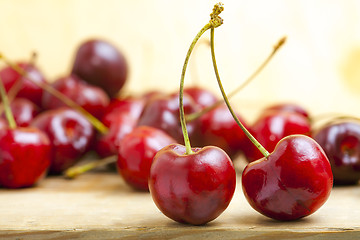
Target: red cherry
<point x="136" y="152"/>
<point x="92" y="99"/>
<point x="194" y="188"/>
<point x="28" y="89"/>
<point x="128" y="106"/>
<point x="271" y="127"/>
<point x="24" y="157"/>
<point x="23" y="110"/>
<point x="70" y="134"/>
<point x="218" y="128"/>
<point x="292" y="182"/>
<point x="162" y="112"/>
<point x="203" y="97"/>
<point x="100" y="63"/>
<point x="119" y="125"/>
<point x="341" y="143"/>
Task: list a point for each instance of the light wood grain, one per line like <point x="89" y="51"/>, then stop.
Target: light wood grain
<point x="101" y="206"/>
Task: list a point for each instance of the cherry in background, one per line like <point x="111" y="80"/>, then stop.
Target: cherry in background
<point x="162" y="112"/>
<point x="93" y="99"/>
<point x="201" y="96"/>
<point x="24" y="111"/>
<point x="341" y="142"/>
<point x="273" y="125"/>
<point x="100" y="63"/>
<point x="136" y="152"/>
<point x="28" y="89"/>
<point x="70" y="134"/>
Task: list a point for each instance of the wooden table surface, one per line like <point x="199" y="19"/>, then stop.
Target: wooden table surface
<point x="100" y="205"/>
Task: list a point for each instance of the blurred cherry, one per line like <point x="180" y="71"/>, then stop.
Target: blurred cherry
<point x="203" y="97"/>
<point x="70" y="134"/>
<point x="341" y="143"/>
<point x="28" y="89"/>
<point x="92" y="99"/>
<point x="24" y="111"/>
<point x="136" y="152"/>
<point x="100" y="63"/>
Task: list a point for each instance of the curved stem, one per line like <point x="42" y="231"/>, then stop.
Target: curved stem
<point x="93" y="120"/>
<point x="181" y="94"/>
<point x="248" y="134"/>
<point x="193" y="116"/>
<point x="5" y="100"/>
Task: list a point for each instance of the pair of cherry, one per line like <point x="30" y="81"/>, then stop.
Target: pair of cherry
<point x="194" y="185"/>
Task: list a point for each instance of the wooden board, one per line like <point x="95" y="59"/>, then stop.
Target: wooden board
<point x="101" y="206"/>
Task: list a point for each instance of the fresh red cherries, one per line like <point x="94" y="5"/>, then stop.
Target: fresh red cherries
<point x="100" y="63"/>
<point x="192" y="188"/>
<point x="341" y="143"/>
<point x="292" y="182"/>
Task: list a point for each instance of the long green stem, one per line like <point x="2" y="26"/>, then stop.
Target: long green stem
<point x="248" y="134"/>
<point x="93" y="120"/>
<point x="193" y="116"/>
<point x="214" y="22"/>
<point x="5" y="100"/>
<point x="181" y="94"/>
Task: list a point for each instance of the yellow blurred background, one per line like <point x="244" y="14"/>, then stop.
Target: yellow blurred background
<point x="318" y="67"/>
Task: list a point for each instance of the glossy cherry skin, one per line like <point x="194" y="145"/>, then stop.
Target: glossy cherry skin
<point x="24" y="157"/>
<point x="293" y="182"/>
<point x="162" y="112"/>
<point x="218" y="128"/>
<point x="203" y="97"/>
<point x="70" y="134"/>
<point x="193" y="189"/>
<point x="129" y="106"/>
<point x="341" y="143"/>
<point x="24" y="111"/>
<point x="100" y="63"/>
<point x="271" y="127"/>
<point x="28" y="89"/>
<point x="92" y="99"/>
<point x="136" y="152"/>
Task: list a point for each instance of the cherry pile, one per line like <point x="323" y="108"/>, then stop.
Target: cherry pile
<point x="46" y="128"/>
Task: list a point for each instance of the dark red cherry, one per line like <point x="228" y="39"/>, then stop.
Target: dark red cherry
<point x="341" y="143"/>
<point x="136" y="152"/>
<point x="218" y="128"/>
<point x="129" y="106"/>
<point x="292" y="182"/>
<point x="162" y="112"/>
<point x="203" y="97"/>
<point x="192" y="188"/>
<point x="92" y="99"/>
<point x="23" y="110"/>
<point x="28" y="89"/>
<point x="24" y="157"/>
<point x="70" y="134"/>
<point x="100" y="63"/>
<point x="271" y="127"/>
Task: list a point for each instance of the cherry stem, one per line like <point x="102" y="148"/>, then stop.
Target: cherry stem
<point x="196" y="115"/>
<point x="248" y="134"/>
<point x="78" y="170"/>
<point x="5" y="100"/>
<point x="93" y="120"/>
<point x="214" y="22"/>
